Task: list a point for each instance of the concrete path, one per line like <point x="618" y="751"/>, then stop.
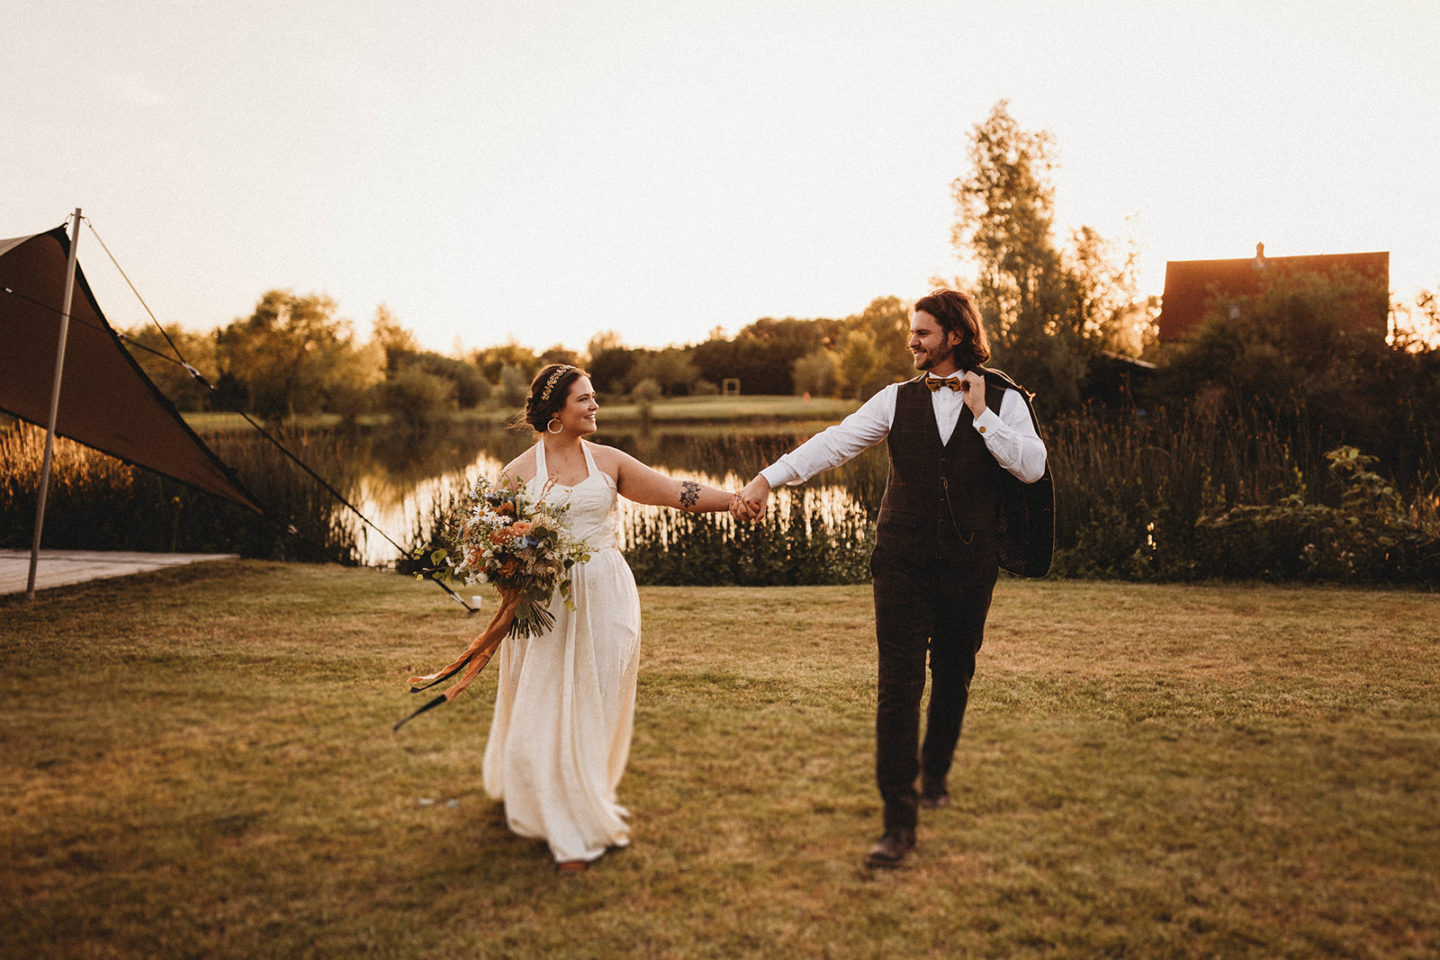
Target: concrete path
<point x="57" y="568"/>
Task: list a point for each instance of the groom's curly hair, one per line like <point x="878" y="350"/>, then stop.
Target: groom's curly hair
<point x="956" y="311"/>
<point x="548" y="393"/>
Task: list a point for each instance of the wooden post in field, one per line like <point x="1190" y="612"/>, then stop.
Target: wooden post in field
<point x="54" y="405"/>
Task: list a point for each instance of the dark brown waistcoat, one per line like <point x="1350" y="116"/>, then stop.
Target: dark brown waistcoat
<point x="915" y="518"/>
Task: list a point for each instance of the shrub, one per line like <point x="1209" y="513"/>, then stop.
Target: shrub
<point x="415" y="397"/>
<point x="1370" y="537"/>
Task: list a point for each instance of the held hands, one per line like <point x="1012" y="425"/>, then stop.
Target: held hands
<point x="749" y="504"/>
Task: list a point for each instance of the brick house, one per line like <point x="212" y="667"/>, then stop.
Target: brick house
<point x="1190" y="285"/>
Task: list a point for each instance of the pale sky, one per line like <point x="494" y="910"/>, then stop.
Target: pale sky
<point x="547" y="170"/>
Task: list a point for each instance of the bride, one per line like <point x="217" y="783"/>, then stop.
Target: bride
<point x="565" y="700"/>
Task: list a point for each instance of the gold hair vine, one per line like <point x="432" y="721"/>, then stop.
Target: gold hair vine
<point x="550" y="384"/>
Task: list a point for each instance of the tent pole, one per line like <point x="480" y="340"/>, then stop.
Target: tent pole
<point x="54" y="405"/>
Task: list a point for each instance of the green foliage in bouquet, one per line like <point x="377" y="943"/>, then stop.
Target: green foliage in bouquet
<point x="500" y="534"/>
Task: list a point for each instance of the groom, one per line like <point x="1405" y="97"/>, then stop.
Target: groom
<point x="963" y="444"/>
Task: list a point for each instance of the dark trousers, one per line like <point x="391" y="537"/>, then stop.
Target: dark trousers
<point x="935" y="607"/>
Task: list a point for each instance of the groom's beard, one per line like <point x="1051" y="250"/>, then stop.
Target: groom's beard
<point x="925" y="361"/>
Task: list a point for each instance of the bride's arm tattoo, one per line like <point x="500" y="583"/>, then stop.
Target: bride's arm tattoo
<point x="689" y="494"/>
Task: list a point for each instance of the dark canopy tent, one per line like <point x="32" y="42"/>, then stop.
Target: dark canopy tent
<point x="106" y="401"/>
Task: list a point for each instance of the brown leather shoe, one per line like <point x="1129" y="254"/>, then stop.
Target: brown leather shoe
<point x="890" y="850"/>
<point x="934" y="795"/>
<point x="572" y="866"/>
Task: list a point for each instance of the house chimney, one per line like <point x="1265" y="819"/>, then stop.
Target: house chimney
<point x="1259" y="262"/>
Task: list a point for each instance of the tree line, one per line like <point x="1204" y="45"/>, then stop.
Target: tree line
<point x="1060" y="309"/>
<point x="294" y="356"/>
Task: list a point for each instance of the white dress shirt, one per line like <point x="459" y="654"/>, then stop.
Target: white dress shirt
<point x="1009" y="436"/>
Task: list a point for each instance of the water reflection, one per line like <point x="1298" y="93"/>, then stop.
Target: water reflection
<point x="404" y="481"/>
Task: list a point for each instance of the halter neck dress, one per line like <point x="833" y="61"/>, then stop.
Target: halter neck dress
<point x="565" y="700"/>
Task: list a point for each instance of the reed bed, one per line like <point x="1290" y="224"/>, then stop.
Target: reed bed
<point x="99" y="502"/>
<point x="810" y="537"/>
<point x="1151" y="501"/>
<point x="1128" y="495"/>
<point x="1136" y="499"/>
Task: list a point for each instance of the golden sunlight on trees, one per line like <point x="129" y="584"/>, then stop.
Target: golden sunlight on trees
<point x="1104" y="280"/>
<point x="414" y="396"/>
<point x="859" y="364"/>
<point x="421" y="385"/>
<point x="873" y="348"/>
<point x="1417" y="327"/>
<point x="814" y="373"/>
<point x="393" y="338"/>
<point x="602" y="341"/>
<point x="491" y="360"/>
<point x="157" y="358"/>
<point x="1047" y="309"/>
<point x="558" y="354"/>
<point x="293" y="355"/>
<point x="883" y="328"/>
<point x="671" y="370"/>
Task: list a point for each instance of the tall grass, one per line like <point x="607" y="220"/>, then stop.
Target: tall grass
<point x="818" y="536"/>
<point x="1138" y="500"/>
<point x="1128" y="494"/>
<point x="99" y="502"/>
<point x="1135" y="499"/>
<point x="819" y="533"/>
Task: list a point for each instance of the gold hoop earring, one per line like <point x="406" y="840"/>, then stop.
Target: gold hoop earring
<point x="554" y="423"/>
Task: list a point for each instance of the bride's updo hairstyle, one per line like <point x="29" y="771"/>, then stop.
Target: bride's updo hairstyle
<point x="548" y="392"/>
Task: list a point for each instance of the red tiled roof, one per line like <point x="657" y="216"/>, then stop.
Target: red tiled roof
<point x="1190" y="284"/>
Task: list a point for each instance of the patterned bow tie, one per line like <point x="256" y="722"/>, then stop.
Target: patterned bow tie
<point x="935" y="383"/>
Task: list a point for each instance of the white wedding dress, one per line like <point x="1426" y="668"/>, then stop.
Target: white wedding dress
<point x="565" y="703"/>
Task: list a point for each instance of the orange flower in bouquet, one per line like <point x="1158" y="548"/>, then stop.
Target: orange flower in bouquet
<point x="504" y="536"/>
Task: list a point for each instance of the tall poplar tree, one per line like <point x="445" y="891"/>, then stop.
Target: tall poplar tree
<point x="1047" y="308"/>
<point x="1005" y="219"/>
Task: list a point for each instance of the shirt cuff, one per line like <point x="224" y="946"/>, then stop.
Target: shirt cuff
<point x="779" y="473"/>
<point x="988" y="423"/>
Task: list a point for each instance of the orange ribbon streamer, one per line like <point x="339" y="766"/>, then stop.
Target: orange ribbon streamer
<point x="472" y="661"/>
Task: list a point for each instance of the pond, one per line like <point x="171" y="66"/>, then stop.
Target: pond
<point x="401" y="481"/>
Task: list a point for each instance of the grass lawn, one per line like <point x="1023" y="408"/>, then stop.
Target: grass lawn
<point x="198" y="762"/>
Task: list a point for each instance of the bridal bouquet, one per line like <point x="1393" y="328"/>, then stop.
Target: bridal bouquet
<point x="503" y="536"/>
<point x="520" y="543"/>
